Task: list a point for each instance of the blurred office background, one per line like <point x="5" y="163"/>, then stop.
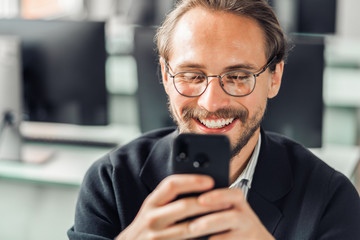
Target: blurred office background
<point x="87" y="79"/>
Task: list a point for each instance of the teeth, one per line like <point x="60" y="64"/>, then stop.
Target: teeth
<point x="216" y="123"/>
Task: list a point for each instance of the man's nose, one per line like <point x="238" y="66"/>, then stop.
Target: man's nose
<point x="214" y="97"/>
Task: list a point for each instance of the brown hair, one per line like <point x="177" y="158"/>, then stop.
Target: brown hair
<point x="259" y="10"/>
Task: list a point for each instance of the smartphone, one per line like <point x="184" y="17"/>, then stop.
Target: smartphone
<point x="202" y="154"/>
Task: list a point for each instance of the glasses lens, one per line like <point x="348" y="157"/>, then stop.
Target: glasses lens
<point x="190" y="83"/>
<point x="238" y="83"/>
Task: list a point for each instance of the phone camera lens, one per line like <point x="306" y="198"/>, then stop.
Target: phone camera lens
<point x="181" y="157"/>
<point x="201" y="161"/>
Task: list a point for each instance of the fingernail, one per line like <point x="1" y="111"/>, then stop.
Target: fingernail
<point x="208" y="180"/>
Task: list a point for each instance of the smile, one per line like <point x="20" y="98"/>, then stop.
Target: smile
<point x="220" y="123"/>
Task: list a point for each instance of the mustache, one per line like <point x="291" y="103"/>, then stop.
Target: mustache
<point x="199" y="113"/>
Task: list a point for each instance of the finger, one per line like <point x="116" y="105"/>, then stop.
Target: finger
<point x="233" y="197"/>
<point x="174" y="185"/>
<point x="218" y="222"/>
<point x="246" y="227"/>
<point x="175" y="232"/>
<point x="223" y="235"/>
<point x="185" y="208"/>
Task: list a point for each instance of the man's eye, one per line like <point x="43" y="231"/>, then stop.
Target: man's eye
<point x="238" y="77"/>
<point x="190" y="77"/>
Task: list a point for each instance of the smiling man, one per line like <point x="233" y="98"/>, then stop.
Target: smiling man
<point x="220" y="50"/>
<point x="221" y="60"/>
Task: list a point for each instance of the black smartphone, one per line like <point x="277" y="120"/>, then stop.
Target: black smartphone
<point x="202" y="154"/>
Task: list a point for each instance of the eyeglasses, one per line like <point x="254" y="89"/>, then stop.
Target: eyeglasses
<point x="235" y="83"/>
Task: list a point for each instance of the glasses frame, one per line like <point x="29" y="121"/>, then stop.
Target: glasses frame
<point x="220" y="77"/>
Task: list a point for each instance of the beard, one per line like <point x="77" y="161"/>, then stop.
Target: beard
<point x="249" y="125"/>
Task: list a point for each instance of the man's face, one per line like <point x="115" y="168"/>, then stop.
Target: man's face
<point x="214" y="43"/>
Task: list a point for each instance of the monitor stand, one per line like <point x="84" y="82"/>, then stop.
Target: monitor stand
<point x="10" y="98"/>
<point x="11" y="140"/>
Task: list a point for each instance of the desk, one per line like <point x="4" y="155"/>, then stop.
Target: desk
<point x="342" y="158"/>
<point x="68" y="163"/>
<point x="37" y="201"/>
<point x="66" y="166"/>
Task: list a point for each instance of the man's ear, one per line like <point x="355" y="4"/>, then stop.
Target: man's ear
<point x="275" y="83"/>
<point x="164" y="75"/>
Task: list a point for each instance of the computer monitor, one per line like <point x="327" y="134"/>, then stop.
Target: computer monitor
<point x="317" y="16"/>
<point x="148" y="12"/>
<point x="63" y="70"/>
<point x="297" y="111"/>
<point x="151" y="96"/>
<point x="306" y="16"/>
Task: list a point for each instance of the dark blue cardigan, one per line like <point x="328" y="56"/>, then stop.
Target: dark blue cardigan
<point x="295" y="195"/>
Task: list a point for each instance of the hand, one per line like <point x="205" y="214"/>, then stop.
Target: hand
<point x="159" y="215"/>
<point x="238" y="222"/>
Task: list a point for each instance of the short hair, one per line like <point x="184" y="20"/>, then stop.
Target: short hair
<point x="259" y="10"/>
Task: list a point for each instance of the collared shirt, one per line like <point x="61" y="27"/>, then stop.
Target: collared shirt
<point x="245" y="179"/>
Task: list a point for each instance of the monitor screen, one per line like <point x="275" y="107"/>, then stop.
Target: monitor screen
<point x="63" y="70"/>
<point x="317" y="16"/>
<point x="307" y="16"/>
<point x="297" y="111"/>
<point x="152" y="99"/>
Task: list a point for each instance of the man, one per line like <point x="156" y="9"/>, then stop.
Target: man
<point x="220" y="60"/>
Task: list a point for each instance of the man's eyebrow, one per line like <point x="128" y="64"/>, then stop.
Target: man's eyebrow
<point x="190" y="66"/>
<point x="242" y="66"/>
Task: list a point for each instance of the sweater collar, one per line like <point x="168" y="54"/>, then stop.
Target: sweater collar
<point x="158" y="163"/>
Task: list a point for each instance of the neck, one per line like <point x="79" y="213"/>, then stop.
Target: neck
<point x="240" y="161"/>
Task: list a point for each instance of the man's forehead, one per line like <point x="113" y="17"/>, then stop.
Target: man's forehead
<point x="213" y="34"/>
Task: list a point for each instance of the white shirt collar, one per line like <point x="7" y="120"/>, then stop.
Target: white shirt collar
<point x="244" y="181"/>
